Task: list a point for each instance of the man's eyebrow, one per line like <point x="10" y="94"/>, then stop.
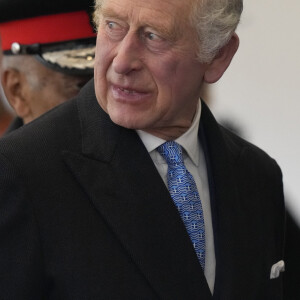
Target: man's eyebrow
<point x="170" y="33"/>
<point x="108" y="12"/>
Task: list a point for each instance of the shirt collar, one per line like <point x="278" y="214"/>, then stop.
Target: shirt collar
<point x="189" y="140"/>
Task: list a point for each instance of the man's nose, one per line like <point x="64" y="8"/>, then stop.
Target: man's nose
<point x="129" y="55"/>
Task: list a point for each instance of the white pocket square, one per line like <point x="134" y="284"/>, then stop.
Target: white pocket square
<point x="277" y="269"/>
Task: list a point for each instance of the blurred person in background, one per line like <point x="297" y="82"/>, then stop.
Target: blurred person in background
<point x="6" y="115"/>
<point x="49" y="49"/>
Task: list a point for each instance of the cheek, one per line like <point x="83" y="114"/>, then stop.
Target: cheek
<point x="104" y="52"/>
<point x="103" y="59"/>
<point x="40" y="102"/>
<point x="56" y="93"/>
<point x="179" y="83"/>
<point x="167" y="76"/>
<point x="186" y="74"/>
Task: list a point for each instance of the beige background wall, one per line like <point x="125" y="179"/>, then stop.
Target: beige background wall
<point x="261" y="90"/>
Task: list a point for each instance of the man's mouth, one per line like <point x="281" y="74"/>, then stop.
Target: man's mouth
<point x="129" y="94"/>
<point x="128" y="91"/>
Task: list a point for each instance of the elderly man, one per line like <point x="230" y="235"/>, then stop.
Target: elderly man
<point x="48" y="54"/>
<point x="132" y="190"/>
<point x="6" y="115"/>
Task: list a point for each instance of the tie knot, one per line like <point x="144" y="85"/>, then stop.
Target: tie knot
<point x="171" y="152"/>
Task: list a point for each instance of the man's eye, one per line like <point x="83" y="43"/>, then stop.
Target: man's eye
<point x="153" y="37"/>
<point x="155" y="42"/>
<point x="114" y="30"/>
<point x="112" y="25"/>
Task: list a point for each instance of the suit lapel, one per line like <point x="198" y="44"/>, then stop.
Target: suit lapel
<point x="121" y="180"/>
<point x="228" y="232"/>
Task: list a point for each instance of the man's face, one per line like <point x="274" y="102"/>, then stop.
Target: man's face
<point x="52" y="89"/>
<point x="146" y="73"/>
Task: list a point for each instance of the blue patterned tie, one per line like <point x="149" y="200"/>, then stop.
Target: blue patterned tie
<point x="184" y="193"/>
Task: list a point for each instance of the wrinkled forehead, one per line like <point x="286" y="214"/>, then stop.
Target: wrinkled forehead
<point x="146" y="12"/>
<point x="178" y="7"/>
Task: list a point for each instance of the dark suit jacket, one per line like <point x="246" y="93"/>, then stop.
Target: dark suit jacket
<point x="292" y="259"/>
<point x="16" y="123"/>
<point x="84" y="214"/>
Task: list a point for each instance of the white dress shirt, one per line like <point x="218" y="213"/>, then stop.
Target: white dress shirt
<point x="194" y="161"/>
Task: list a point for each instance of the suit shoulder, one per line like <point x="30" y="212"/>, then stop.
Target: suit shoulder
<point x="249" y="154"/>
<point x="238" y="150"/>
<point x="48" y="132"/>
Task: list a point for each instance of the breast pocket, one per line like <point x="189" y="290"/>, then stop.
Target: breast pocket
<point x="275" y="288"/>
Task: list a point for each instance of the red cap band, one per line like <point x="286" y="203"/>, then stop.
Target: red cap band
<point x="47" y="29"/>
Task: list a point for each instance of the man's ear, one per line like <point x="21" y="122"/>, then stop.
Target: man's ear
<point x="222" y="60"/>
<point x="14" y="85"/>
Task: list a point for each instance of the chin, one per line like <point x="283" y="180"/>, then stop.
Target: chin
<point x="124" y="122"/>
<point x="127" y="122"/>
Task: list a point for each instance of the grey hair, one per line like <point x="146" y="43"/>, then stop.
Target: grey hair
<point x="96" y="15"/>
<point x="215" y="22"/>
<point x="25" y="64"/>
